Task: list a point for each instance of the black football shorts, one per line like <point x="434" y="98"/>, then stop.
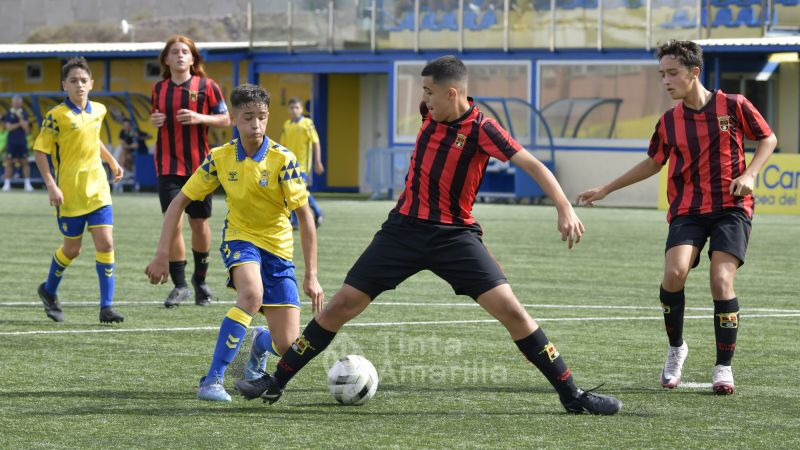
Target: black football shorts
<point x="728" y="230"/>
<point x="405" y="245"/>
<point x="168" y="188"/>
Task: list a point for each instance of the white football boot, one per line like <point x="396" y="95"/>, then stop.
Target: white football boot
<point x="673" y="366"/>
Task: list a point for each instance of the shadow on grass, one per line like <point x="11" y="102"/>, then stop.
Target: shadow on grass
<point x="182" y="402"/>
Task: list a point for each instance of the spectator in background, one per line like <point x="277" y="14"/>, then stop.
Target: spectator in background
<point x="132" y="141"/>
<point x="17" y="124"/>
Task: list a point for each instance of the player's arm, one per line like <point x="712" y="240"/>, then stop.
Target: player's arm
<point x="53" y="191"/>
<point x="308" y="241"/>
<point x="318" y="167"/>
<point x="158" y="269"/>
<point x="641" y="171"/>
<point x="189" y="117"/>
<point x="23" y="122"/>
<point x="569" y="224"/>
<point x="116" y="169"/>
<point x="743" y="185"/>
<point x="316" y="148"/>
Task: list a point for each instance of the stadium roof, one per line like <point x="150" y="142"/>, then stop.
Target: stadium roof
<point x="789" y="43"/>
<point x="129" y="49"/>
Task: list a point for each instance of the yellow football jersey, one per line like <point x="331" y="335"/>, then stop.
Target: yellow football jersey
<point x="260" y="191"/>
<point x="72" y="139"/>
<point x="299" y="137"/>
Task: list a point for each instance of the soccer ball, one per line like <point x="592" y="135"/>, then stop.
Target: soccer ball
<point x="352" y="380"/>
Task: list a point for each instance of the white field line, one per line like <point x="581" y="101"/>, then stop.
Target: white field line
<point x="369" y="324"/>
<point x="690" y="385"/>
<point x="421" y="304"/>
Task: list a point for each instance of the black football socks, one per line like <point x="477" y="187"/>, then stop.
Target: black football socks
<point x="312" y="341"/>
<point x="726" y="324"/>
<point x="673" y="305"/>
<point x="543" y="354"/>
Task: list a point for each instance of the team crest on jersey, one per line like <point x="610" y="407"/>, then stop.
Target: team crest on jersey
<point x="264" y="180"/>
<point x="193" y="96"/>
<point x="233" y="176"/>
<point x="551" y="351"/>
<point x="460" y="140"/>
<point x="724" y="122"/>
<point x="74" y="125"/>
<point x="729" y="320"/>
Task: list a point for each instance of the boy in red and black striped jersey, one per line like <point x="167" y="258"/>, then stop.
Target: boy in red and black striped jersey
<point x="185" y="103"/>
<point x="710" y="194"/>
<point x="432" y="228"/>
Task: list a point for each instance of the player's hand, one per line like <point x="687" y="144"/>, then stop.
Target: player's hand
<point x="56" y="196"/>
<point x="589" y="196"/>
<point x="117" y="171"/>
<point x="188" y="117"/>
<point x="157" y="119"/>
<point x="313" y="290"/>
<point x="318" y="168"/>
<point x="570" y="227"/>
<point x="157" y="271"/>
<point x="742" y="185"/>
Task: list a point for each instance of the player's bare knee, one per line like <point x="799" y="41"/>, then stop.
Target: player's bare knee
<point x="722" y="286"/>
<point x="249" y="300"/>
<point x="675" y="278"/>
<point x="72" y="251"/>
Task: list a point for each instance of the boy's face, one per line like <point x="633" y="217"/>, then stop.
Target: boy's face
<point x="295" y="110"/>
<point x="250" y="120"/>
<point x="677" y="78"/>
<point x="439" y="98"/>
<point x="78" y="84"/>
<point x="179" y="58"/>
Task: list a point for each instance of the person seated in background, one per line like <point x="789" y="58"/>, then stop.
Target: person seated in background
<point x="131" y="141"/>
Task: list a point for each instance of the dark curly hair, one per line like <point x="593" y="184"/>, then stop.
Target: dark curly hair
<point x="245" y="94"/>
<point x="78" y="62"/>
<point x="687" y="52"/>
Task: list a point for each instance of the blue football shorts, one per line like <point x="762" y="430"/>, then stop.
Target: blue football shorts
<point x="277" y="274"/>
<point x="72" y="227"/>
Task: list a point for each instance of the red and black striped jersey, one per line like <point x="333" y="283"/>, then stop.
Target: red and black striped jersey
<point x="705" y="150"/>
<point x="181" y="148"/>
<point x="448" y="164"/>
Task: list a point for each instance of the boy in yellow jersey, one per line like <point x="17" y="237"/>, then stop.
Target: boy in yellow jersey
<point x="300" y="136"/>
<point x="70" y="136"/>
<point x="262" y="185"/>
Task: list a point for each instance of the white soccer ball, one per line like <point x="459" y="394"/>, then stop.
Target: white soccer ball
<point x="352" y="380"/>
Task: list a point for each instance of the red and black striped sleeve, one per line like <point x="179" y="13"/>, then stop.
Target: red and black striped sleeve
<point x="216" y="101"/>
<point x="753" y="123"/>
<point x="659" y="148"/>
<point x="496" y="142"/>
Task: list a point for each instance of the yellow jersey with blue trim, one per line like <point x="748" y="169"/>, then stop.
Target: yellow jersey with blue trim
<point x="260" y="192"/>
<point x="299" y="137"/>
<point x="71" y="136"/>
